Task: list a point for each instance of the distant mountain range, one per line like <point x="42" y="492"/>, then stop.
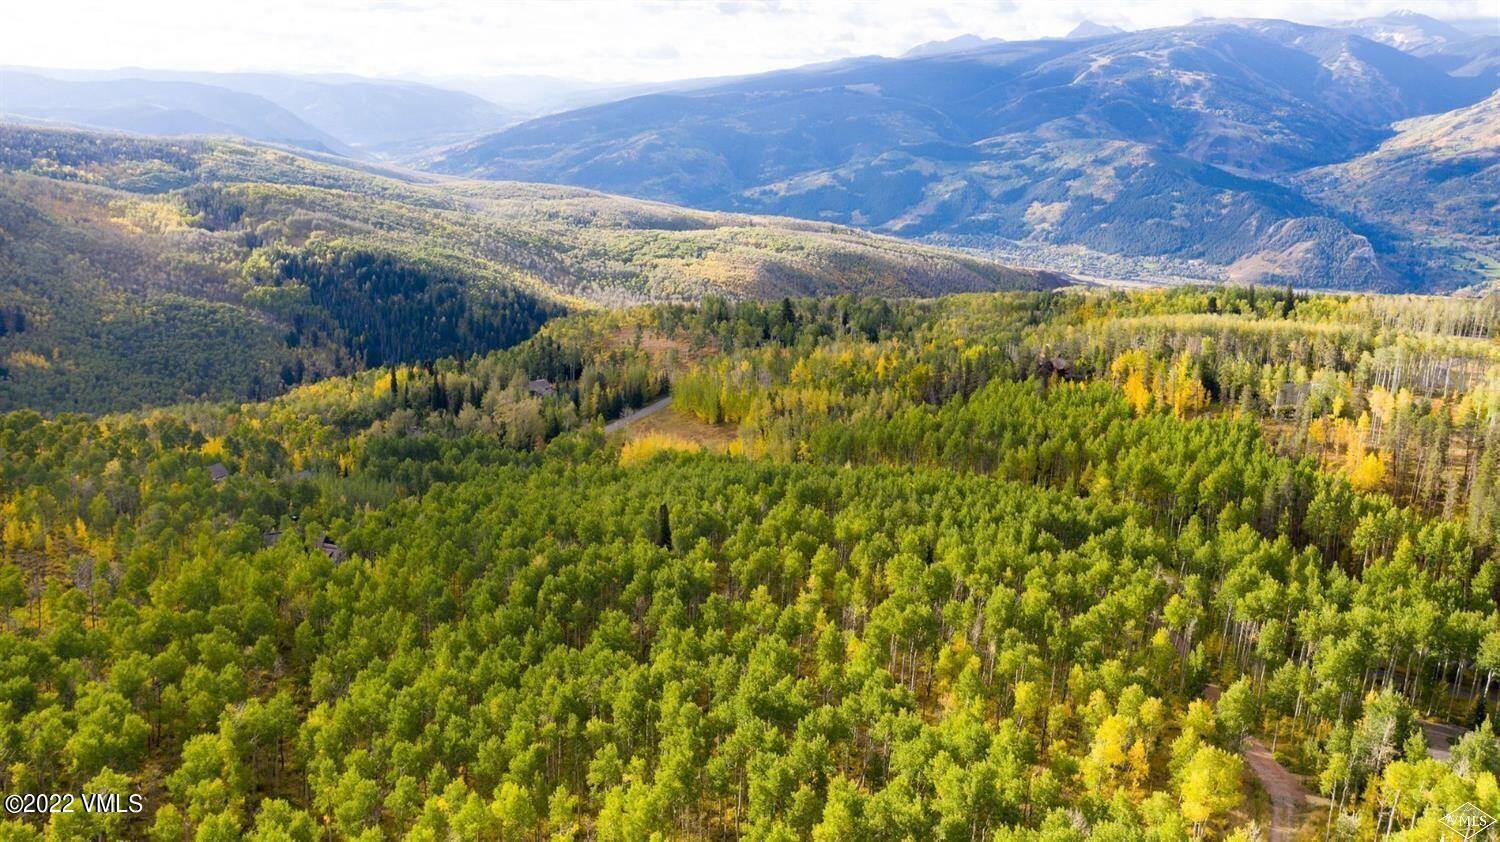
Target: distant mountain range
<point x="388" y="120"/>
<point x="966" y="43"/>
<point x="158" y="108"/>
<point x="1225" y="149"/>
<point x="959" y="44"/>
<point x="343" y="115"/>
<point x="1089" y="29"/>
<point x="1178" y="148"/>
<point x="1473" y="51"/>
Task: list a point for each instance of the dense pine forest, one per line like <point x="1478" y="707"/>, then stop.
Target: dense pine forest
<point x="1206" y="563"/>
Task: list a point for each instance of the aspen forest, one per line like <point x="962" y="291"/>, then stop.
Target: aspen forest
<point x="1207" y="563"/>
<point x="750" y="421"/>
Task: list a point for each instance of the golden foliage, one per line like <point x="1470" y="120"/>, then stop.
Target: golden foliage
<point x="1368" y="474"/>
<point x="1188" y="395"/>
<point x="27" y="359"/>
<point x="1136" y="392"/>
<point x="149" y="217"/>
<point x="643" y="448"/>
<point x="1130" y="370"/>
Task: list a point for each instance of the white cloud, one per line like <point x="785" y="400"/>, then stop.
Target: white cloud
<point x="592" y="39"/>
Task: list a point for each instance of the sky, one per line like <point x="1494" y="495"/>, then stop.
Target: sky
<point x="595" y="40"/>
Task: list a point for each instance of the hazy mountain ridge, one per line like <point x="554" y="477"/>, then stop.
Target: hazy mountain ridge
<point x="159" y="108"/>
<point x="957" y="44"/>
<point x="1090" y="29"/>
<point x="1462" y="52"/>
<point x="1205" y="126"/>
<point x="345" y="115"/>
<point x="386" y="117"/>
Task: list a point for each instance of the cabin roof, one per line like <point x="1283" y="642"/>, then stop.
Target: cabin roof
<point x="1292" y="394"/>
<point x="334" y="552"/>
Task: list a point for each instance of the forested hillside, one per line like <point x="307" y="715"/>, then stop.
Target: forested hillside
<point x="1044" y="565"/>
<point x="140" y="271"/>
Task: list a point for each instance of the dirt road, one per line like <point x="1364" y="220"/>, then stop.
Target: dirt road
<point x="631" y="417"/>
<point x="1288" y="797"/>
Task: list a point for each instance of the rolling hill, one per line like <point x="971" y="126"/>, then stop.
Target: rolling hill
<point x="176" y="269"/>
<point x="1196" y="130"/>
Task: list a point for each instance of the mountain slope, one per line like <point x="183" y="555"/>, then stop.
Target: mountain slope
<point x="1208" y="121"/>
<point x="180" y="269"/>
<point x="1437" y="181"/>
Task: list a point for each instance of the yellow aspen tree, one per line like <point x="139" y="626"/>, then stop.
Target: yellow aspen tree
<point x="1369" y="474"/>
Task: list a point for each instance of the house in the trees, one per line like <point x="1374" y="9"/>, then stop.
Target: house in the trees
<point x="1290" y="397"/>
<point x="541" y="388"/>
<point x="1054" y="367"/>
<point x="217" y="472"/>
<point x="334" y="552"/>
<point x="324" y="544"/>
